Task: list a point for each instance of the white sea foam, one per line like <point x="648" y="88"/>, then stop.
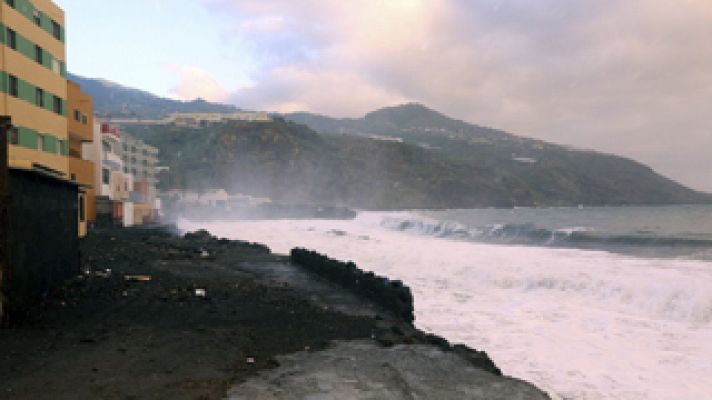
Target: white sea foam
<point x="579" y="324"/>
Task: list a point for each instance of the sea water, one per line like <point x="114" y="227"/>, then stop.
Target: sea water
<point x="586" y="303"/>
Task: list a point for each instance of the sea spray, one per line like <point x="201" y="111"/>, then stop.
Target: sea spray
<point x="579" y="323"/>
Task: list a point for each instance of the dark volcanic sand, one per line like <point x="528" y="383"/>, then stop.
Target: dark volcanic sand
<point x="114" y="339"/>
<point x="104" y="336"/>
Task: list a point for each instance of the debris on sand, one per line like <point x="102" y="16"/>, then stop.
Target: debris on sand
<point x="137" y="278"/>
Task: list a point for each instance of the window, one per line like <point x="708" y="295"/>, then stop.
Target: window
<point x="11" y="39"/>
<point x="60" y="145"/>
<point x="77" y="115"/>
<point x="14" y="136"/>
<point x="82" y="212"/>
<point x="37" y="17"/>
<point x="126" y="170"/>
<point x="55" y="67"/>
<point x="10" y="3"/>
<point x="40" y="142"/>
<point x="39" y="97"/>
<point x="105" y="176"/>
<point x="56" y="30"/>
<point x="57" y="105"/>
<point x="13" y="86"/>
<point x="38" y="54"/>
<point x="84" y="119"/>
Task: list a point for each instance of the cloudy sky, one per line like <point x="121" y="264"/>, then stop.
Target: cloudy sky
<point x="631" y="77"/>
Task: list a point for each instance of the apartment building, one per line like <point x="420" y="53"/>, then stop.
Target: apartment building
<point x="34" y="85"/>
<point x="111" y="185"/>
<point x="125" y="176"/>
<point x="43" y="203"/>
<point x="80" y="130"/>
<point x="139" y="162"/>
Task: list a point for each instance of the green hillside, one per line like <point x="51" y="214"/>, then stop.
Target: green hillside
<point x="289" y="162"/>
<point x="406" y="156"/>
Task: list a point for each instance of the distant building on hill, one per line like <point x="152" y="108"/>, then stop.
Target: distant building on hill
<point x="204" y="119"/>
<point x="196" y="120"/>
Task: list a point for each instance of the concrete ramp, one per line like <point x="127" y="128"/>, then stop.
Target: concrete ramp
<point x="362" y="370"/>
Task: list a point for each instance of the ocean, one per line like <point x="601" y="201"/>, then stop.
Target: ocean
<point x="586" y="303"/>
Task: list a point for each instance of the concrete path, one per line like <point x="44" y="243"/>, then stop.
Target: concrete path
<point x="364" y="371"/>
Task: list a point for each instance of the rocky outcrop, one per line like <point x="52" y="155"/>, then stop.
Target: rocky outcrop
<point x="392" y="295"/>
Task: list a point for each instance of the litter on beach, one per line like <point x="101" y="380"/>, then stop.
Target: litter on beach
<point x="200" y="292"/>
<point x="137" y="278"/>
<point x="103" y="274"/>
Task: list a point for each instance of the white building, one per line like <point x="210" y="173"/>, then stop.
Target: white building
<point x="140" y="161"/>
<point x="216" y="198"/>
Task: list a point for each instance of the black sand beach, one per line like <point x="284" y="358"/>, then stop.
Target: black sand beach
<point x="160" y="316"/>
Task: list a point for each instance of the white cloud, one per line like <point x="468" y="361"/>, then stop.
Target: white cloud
<point x="630" y="77"/>
<point x="194" y="82"/>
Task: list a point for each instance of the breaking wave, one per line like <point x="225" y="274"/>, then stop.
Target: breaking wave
<point x="531" y="234"/>
<point x="580" y="324"/>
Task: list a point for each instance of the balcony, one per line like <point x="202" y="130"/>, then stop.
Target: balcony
<point x="81" y="171"/>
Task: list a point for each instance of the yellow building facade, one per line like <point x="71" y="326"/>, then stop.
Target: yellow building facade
<point x="33" y="85"/>
<point x="51" y="117"/>
<point x="80" y="123"/>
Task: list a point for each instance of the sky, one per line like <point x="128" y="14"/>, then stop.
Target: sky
<point x="629" y="77"/>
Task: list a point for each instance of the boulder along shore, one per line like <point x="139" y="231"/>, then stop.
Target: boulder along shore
<point x="157" y="315"/>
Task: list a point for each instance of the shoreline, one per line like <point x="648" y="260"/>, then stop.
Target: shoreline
<point x="157" y="315"/>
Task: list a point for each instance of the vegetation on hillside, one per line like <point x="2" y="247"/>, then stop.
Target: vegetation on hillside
<point x="406" y="156"/>
<point x="291" y="163"/>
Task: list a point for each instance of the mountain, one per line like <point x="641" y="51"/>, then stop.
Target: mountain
<point x="407" y="156"/>
<point x="289" y="162"/>
<point x="407" y="121"/>
<point x="550" y="174"/>
<point x="114" y="100"/>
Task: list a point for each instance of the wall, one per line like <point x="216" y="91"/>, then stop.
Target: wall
<point x="104" y="211"/>
<point x="43" y="243"/>
<point x="128" y="214"/>
<point x="83" y="173"/>
<point x="143" y="213"/>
